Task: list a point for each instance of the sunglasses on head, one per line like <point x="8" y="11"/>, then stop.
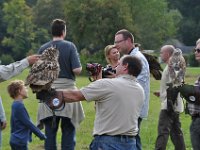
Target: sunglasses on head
<point x="197" y="50"/>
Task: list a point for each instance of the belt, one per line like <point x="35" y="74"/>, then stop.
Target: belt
<point x="117" y="136"/>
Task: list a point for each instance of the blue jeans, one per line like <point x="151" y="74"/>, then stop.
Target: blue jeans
<point x="195" y="133"/>
<point x="106" y="142"/>
<point x="18" y="147"/>
<point x="68" y="133"/>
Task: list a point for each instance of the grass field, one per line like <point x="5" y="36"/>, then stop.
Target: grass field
<point x="84" y="132"/>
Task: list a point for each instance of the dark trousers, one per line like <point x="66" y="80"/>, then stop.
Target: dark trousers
<point x="169" y="124"/>
<point x="18" y="147"/>
<point x="195" y="133"/>
<point x="68" y="133"/>
<point x="137" y="137"/>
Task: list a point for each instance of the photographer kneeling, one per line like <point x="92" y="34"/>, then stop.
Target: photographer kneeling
<point x="118" y="104"/>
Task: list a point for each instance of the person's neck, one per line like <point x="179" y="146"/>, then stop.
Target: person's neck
<point x="18" y="98"/>
<point x="131" y="49"/>
<point x="114" y="63"/>
<point x="58" y="38"/>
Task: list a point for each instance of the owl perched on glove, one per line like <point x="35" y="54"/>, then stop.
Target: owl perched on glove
<point x="177" y="67"/>
<point x="44" y="71"/>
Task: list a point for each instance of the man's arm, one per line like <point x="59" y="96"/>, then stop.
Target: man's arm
<point x="73" y="96"/>
<point x="13" y="69"/>
<point x="77" y="71"/>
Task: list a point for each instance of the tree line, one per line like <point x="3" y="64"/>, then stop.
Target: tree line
<point x="91" y="24"/>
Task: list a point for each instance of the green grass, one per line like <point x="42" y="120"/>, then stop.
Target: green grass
<point x="84" y="132"/>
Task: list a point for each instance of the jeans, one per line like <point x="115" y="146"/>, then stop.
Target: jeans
<point x="68" y="133"/>
<point x="18" y="147"/>
<point x="138" y="140"/>
<point x="195" y="133"/>
<point x="169" y="124"/>
<point x="106" y="142"/>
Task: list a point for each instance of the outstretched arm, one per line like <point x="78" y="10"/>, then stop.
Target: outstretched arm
<point x="73" y="96"/>
<point x="13" y="69"/>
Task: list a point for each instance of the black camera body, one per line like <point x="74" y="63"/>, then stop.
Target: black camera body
<point x="106" y="71"/>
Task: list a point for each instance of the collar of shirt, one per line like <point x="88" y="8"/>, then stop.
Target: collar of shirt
<point x="127" y="76"/>
<point x="134" y="50"/>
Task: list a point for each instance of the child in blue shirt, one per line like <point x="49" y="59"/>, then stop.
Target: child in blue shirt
<point x="21" y="125"/>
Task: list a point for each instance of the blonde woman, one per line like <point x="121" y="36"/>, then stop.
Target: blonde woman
<point x="112" y="56"/>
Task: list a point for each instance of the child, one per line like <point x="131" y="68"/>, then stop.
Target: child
<point x="21" y="125"/>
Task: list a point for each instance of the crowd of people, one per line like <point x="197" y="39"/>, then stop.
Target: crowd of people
<point x="121" y="99"/>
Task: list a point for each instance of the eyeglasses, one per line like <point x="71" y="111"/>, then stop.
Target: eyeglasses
<point x="197" y="50"/>
<point x="117" y="42"/>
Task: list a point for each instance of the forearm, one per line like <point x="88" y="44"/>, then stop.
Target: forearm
<point x="70" y="96"/>
<point x="8" y="71"/>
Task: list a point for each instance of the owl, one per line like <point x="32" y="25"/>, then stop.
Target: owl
<point x="154" y="66"/>
<point x="177" y="68"/>
<point x="44" y="71"/>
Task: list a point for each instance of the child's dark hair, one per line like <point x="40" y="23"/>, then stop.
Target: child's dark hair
<point x="14" y="88"/>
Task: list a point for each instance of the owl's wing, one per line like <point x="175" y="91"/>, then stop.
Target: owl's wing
<point x="154" y="66"/>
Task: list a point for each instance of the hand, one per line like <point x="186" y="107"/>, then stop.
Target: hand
<point x="43" y="137"/>
<point x="56" y="100"/>
<point x="3" y="125"/>
<point x="111" y="75"/>
<point x="156" y="93"/>
<point x="97" y="77"/>
<point x="32" y="59"/>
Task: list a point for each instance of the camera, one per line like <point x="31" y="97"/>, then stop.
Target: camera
<point x="106" y="71"/>
<point x="95" y="68"/>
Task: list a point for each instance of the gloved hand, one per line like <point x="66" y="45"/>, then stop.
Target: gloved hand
<point x="56" y="100"/>
<point x="53" y="98"/>
<point x="172" y="93"/>
<point x="190" y="93"/>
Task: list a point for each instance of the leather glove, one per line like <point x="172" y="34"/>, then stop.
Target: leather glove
<point x="191" y="93"/>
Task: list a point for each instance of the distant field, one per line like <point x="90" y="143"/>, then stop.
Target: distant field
<point x="84" y="133"/>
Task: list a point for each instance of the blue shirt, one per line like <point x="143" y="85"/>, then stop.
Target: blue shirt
<point x="68" y="57"/>
<point x="144" y="80"/>
<point x="21" y="125"/>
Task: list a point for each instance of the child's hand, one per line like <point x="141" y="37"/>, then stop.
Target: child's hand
<point x="156" y="93"/>
<point x="43" y="137"/>
<point x="3" y="125"/>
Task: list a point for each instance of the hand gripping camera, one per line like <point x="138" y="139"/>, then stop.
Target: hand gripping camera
<point x="95" y="68"/>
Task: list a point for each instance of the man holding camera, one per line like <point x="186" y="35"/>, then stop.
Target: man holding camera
<point x="118" y="104"/>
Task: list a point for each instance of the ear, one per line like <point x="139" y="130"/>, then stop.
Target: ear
<point x="125" y="67"/>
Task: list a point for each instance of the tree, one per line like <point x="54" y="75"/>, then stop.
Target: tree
<point x="93" y="23"/>
<point x="47" y="10"/>
<point x="154" y="21"/>
<point x="189" y="30"/>
<point x="19" y="27"/>
<point x="23" y="36"/>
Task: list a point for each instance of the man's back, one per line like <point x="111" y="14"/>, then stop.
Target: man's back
<point x="118" y="105"/>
